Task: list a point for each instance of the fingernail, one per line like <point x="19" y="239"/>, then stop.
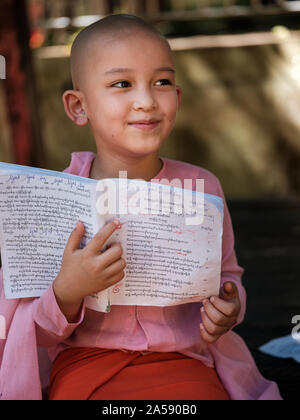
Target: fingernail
<point x="212" y="299"/>
<point x="202" y="309"/>
<point x="117" y="222"/>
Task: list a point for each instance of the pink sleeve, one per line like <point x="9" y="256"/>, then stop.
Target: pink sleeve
<point x="231" y="271"/>
<point x="51" y="325"/>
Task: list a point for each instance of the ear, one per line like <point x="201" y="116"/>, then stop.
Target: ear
<point x="73" y="104"/>
<point x="179" y="95"/>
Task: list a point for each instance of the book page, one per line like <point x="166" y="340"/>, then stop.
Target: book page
<point x="38" y="212"/>
<point x="169" y="262"/>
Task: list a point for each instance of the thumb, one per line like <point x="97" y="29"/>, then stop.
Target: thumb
<point x="75" y="237"/>
<point x="229" y="291"/>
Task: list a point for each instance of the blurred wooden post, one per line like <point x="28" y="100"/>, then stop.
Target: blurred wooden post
<point x="106" y="7"/>
<point x="69" y="9"/>
<point x="96" y="7"/>
<point x="136" y="7"/>
<point x="152" y="7"/>
<point x="20" y="84"/>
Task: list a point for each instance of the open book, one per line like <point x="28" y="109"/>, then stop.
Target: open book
<point x="171" y="237"/>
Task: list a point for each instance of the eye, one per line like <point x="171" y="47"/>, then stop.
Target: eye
<point x="163" y="82"/>
<point x="122" y="84"/>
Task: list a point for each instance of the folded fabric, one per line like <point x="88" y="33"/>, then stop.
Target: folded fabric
<point x="283" y="347"/>
<point x="103" y="374"/>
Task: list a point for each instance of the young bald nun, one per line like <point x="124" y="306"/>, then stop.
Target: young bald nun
<point x="124" y="87"/>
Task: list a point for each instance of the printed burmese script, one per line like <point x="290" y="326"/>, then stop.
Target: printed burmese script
<point x="162" y="254"/>
<point x="38" y="213"/>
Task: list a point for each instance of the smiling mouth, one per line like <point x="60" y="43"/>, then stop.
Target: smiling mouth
<point x="145" y="125"/>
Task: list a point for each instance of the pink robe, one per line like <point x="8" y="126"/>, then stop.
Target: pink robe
<point x="32" y="325"/>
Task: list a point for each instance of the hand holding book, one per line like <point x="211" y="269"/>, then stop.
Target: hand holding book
<point x="220" y="314"/>
<point x="86" y="271"/>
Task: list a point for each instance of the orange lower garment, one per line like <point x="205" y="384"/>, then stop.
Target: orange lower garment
<point x="97" y="374"/>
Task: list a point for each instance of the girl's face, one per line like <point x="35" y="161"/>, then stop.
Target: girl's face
<point x="130" y="96"/>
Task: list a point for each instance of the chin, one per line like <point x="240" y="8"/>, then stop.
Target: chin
<point x="145" y="148"/>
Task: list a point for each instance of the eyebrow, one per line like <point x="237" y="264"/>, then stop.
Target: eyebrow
<point x="127" y="70"/>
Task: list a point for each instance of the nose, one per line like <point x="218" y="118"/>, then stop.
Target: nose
<point x="144" y="100"/>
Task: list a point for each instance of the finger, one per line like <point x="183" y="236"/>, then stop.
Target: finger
<point x="115" y="279"/>
<point x="115" y="268"/>
<point x="75" y="237"/>
<point x="216" y="316"/>
<point x="228" y="308"/>
<point x="111" y="254"/>
<point x="96" y="243"/>
<point x="208" y="338"/>
<point x="211" y="327"/>
<point x="229" y="291"/>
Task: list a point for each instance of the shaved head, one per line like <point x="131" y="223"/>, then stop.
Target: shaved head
<point x="107" y="29"/>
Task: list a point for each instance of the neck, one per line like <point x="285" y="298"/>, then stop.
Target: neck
<point x="108" y="167"/>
